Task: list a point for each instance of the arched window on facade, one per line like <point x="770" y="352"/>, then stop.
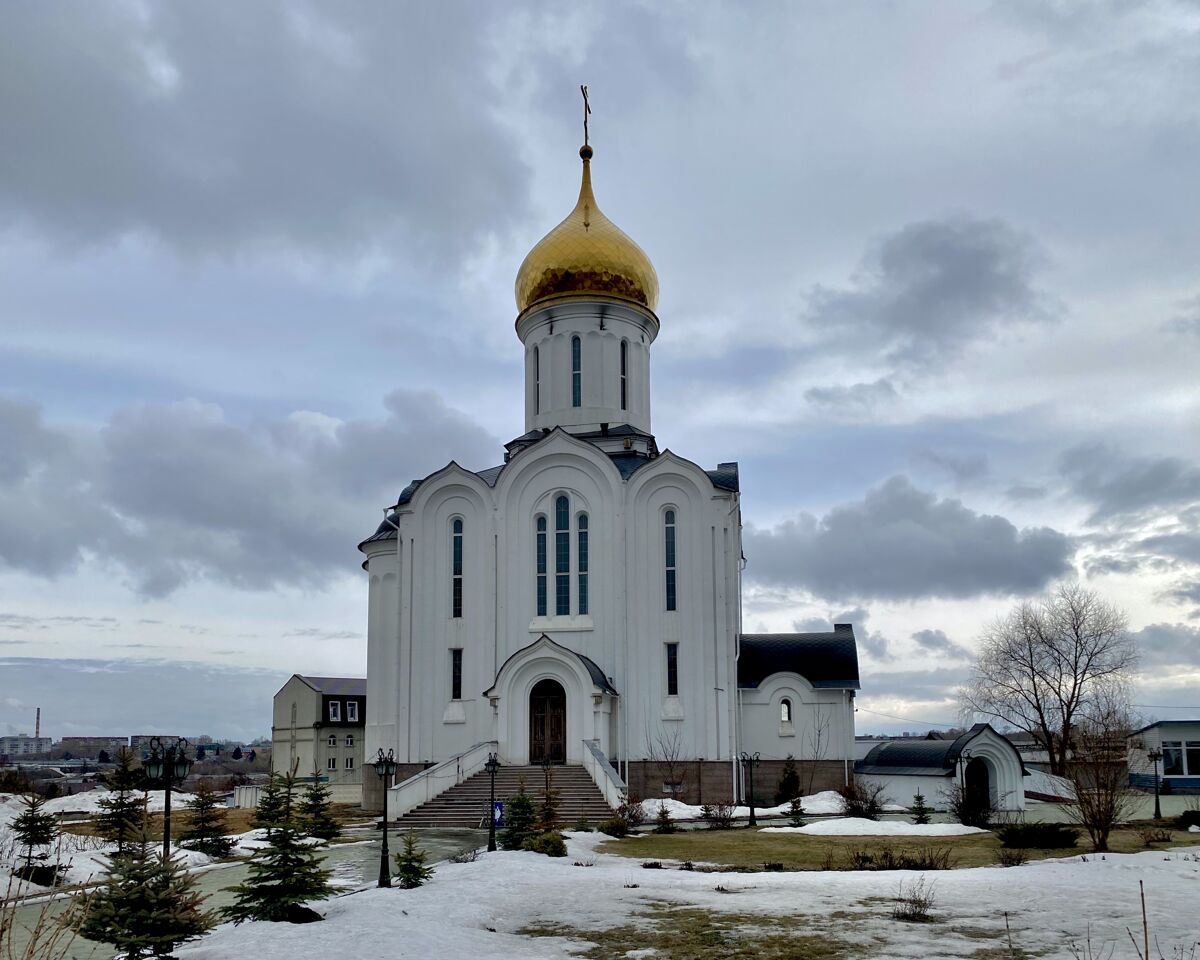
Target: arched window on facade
<point x="669" y="556"/>
<point x="541" y="566"/>
<point x="456" y="568"/>
<point x="582" y="562"/>
<point x="576" y="372"/>
<point x="624" y="374"/>
<point x="562" y="557"/>
<point x="785" y="710"/>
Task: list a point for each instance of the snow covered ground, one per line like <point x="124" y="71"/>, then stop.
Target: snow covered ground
<point x="477" y="909"/>
<point x="857" y="827"/>
<point x="818" y="805"/>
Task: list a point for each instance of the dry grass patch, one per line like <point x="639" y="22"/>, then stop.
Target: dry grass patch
<point x="694" y="934"/>
<point x="749" y="849"/>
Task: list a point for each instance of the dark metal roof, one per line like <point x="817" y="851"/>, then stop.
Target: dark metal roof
<point x="923" y="757"/>
<point x="725" y="476"/>
<point x="828" y="660"/>
<point x="1163" y="723"/>
<point x="598" y="678"/>
<point x="337" y="686"/>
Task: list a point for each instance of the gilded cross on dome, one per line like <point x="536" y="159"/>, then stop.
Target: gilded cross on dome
<point x="586" y="110"/>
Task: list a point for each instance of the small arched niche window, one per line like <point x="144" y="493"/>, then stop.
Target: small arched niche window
<point x="541" y="566"/>
<point x="785" y="710"/>
<point x="537" y="381"/>
<point x="624" y="374"/>
<point x="456" y="568"/>
<point x="576" y="372"/>
<point x="669" y="556"/>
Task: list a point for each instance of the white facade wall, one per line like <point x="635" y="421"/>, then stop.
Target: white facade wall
<point x="822" y="726"/>
<point x="411" y="631"/>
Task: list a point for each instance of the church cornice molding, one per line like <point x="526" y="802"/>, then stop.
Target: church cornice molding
<point x="557" y="441"/>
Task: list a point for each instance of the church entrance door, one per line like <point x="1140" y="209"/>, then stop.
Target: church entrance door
<point x="978" y="785"/>
<point x="547" y="722"/>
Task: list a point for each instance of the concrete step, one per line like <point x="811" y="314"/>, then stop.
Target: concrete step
<point x="467" y="804"/>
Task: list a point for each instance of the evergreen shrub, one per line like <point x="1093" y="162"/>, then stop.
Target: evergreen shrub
<point x="1037" y="836"/>
<point x="614" y="827"/>
<point x="550" y="842"/>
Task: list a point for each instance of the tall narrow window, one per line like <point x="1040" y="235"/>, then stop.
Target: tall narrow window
<point x="785" y="710"/>
<point x="456" y="568"/>
<point x="624" y="374"/>
<point x="541" y="566"/>
<point x="537" y="381"/>
<point x="582" y="565"/>
<point x="576" y="372"/>
<point x="669" y="553"/>
<point x="456" y="674"/>
<point x="672" y="669"/>
<point x="562" y="557"/>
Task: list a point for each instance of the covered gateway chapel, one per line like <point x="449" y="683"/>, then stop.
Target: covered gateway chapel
<point x="579" y="602"/>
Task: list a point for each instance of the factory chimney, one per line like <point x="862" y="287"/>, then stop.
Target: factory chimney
<point x="37" y="726"/>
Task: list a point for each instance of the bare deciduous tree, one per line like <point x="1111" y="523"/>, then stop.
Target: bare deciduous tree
<point x="664" y="749"/>
<point x="1044" y="665"/>
<point x="1097" y="768"/>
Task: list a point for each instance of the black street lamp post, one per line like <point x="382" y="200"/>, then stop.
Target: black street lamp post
<point x="751" y="761"/>
<point x="385" y="769"/>
<point x="1155" y="756"/>
<point x="491" y="766"/>
<point x="170" y="765"/>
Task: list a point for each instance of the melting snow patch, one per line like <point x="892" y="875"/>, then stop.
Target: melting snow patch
<point x="857" y="827"/>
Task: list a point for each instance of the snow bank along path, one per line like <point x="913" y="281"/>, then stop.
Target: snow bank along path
<point x="818" y="805"/>
<point x="857" y="827"/>
<point x="476" y="909"/>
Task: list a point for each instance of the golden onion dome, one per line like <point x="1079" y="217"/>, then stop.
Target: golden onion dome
<point x="586" y="254"/>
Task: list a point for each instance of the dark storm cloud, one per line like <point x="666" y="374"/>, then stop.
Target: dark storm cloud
<point x="1168" y="645"/>
<point x="218" y="125"/>
<point x="1119" y="486"/>
<point x="932" y="287"/>
<point x="869" y="642"/>
<point x="936" y="641"/>
<point x="858" y="397"/>
<point x="900" y="543"/>
<point x="176" y="492"/>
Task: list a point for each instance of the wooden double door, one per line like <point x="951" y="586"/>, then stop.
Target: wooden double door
<point x="547" y="722"/>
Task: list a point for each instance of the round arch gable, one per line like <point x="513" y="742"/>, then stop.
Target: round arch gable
<point x="587" y="707"/>
<point x="1005" y="783"/>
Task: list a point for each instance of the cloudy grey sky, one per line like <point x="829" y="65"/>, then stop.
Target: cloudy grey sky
<point x="929" y="273"/>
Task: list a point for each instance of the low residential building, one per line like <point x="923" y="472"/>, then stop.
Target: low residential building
<point x="23" y="745"/>
<point x="90" y="747"/>
<point x="317" y="725"/>
<point x="1178" y="742"/>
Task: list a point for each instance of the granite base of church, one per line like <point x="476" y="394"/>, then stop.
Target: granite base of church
<point x="372" y="788"/>
<point x="710" y="781"/>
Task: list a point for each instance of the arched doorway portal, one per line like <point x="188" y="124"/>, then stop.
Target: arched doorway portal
<point x="547" y="722"/>
<point x="978" y="787"/>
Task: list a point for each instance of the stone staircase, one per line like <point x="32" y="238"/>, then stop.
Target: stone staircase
<point x="466" y="804"/>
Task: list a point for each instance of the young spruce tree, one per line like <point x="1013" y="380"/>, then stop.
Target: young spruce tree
<point x="316" y="811"/>
<point x="274" y="799"/>
<point x="146" y="905"/>
<point x="789" y="782"/>
<point x="34" y="828"/>
<point x="285" y="874"/>
<point x="519" y="820"/>
<point x="920" y="809"/>
<point x="206" y="830"/>
<point x="123" y="808"/>
<point x="796" y="812"/>
<point x="411" y="870"/>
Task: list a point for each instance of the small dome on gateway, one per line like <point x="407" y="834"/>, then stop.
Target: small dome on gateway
<point x="586" y="254"/>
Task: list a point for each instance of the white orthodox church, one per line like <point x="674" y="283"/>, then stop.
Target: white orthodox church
<point x="580" y="602"/>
